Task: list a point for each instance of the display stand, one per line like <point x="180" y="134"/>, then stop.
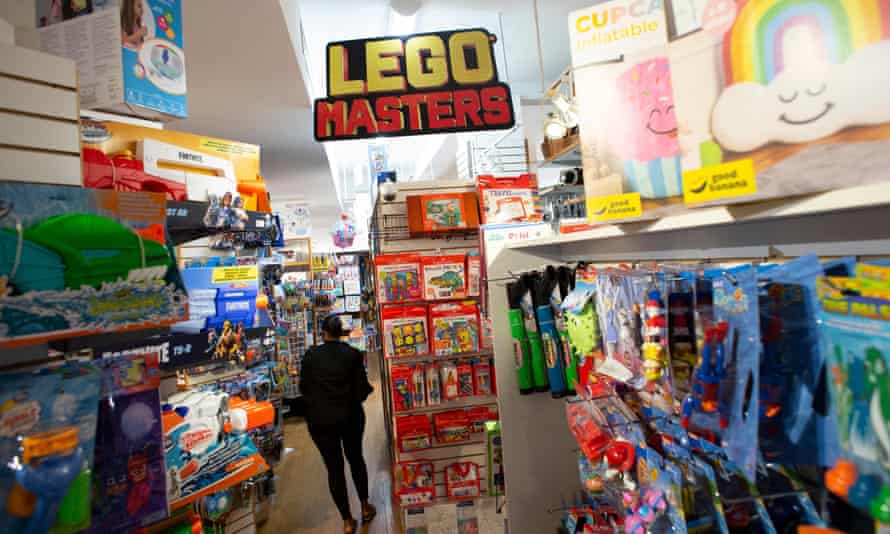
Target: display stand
<point x="540" y="465"/>
<point x="390" y="235"/>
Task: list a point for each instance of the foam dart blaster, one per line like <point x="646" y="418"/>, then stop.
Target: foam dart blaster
<point x="533" y="331"/>
<point x="521" y="348"/>
<point x="570" y="359"/>
<point x="51" y="465"/>
<point x="544" y="287"/>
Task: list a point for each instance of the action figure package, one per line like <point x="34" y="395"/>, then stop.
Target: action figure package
<point x="509" y="199"/>
<point x="455" y="328"/>
<point x="405" y="331"/>
<point x="444" y="277"/>
<point x="398" y="278"/>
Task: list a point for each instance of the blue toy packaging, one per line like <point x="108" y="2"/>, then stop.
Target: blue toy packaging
<point x="130" y="489"/>
<point x="47" y="439"/>
<point x="56" y="283"/>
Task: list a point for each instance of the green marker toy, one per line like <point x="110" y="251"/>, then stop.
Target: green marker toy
<point x="539" y="364"/>
<point x="521" y="348"/>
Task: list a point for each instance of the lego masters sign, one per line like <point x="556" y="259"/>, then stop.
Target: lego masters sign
<point x="413" y="85"/>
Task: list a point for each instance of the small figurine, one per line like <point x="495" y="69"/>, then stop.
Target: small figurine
<point x="707" y="376"/>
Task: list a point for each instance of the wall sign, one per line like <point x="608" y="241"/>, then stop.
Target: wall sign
<point x="420" y="84"/>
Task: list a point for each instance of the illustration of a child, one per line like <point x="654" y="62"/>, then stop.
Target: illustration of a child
<point x="133" y="32"/>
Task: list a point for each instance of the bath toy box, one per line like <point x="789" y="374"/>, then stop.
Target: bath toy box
<point x="183" y="166"/>
<point x="77" y="261"/>
<point x="730" y="100"/>
<point x="134" y="62"/>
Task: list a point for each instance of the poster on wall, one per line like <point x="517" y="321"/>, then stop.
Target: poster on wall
<point x="295" y="220"/>
<point x="722" y="101"/>
<point x="439" y="82"/>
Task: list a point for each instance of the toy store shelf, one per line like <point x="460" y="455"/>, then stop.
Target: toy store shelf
<point x="840" y="222"/>
<point x="466" y="402"/>
<point x="443" y="451"/>
<point x="433" y="358"/>
<point x="185" y="222"/>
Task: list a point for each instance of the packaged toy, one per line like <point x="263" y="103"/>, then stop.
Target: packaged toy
<point x="433" y="384"/>
<point x="465" y="379"/>
<point x="444" y="277"/>
<point x="54" y="282"/>
<point x="129" y="487"/>
<point x="398" y="278"/>
<point x="482" y="377"/>
<point x="405" y="331"/>
<point x="542" y="296"/>
<point x="582" y="326"/>
<point x="539" y="374"/>
<point x="455" y="328"/>
<point x="682" y="343"/>
<point x="494" y="457"/>
<point x="462" y="480"/>
<point x="208" y="448"/>
<point x="449" y="382"/>
<point x="418" y="387"/>
<point x="414" y="432"/>
<point x="400" y="376"/>
<point x="441" y="212"/>
<point x="521" y="344"/>
<point x="451" y="426"/>
<point x="479" y="415"/>
<point x="617" y="302"/>
<point x="509" y="199"/>
<point x="416" y="484"/>
<point x="47" y="438"/>
<point x="474" y="274"/>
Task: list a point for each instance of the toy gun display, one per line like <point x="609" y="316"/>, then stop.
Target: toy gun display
<point x="521" y="347"/>
<point x="527" y="305"/>
<point x="543" y="291"/>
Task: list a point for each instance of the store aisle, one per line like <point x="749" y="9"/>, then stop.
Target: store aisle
<point x="303" y="504"/>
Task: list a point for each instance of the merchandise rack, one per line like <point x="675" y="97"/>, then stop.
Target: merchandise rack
<point x="847" y="222"/>
<point x="389" y="235"/>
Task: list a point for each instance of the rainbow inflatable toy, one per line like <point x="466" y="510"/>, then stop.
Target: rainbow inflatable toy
<point x="753" y="47"/>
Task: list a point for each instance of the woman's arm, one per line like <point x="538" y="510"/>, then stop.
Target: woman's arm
<point x="363" y="387"/>
<point x="306" y="378"/>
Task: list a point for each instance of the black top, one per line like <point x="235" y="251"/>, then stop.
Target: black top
<point x="334" y="382"/>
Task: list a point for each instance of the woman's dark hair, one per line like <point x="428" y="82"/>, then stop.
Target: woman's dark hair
<point x="333" y="326"/>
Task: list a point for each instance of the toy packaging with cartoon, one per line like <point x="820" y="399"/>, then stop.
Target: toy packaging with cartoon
<point x="509" y="199"/>
<point x="47" y="438"/>
<point x="135" y="55"/>
<point x="130" y="482"/>
<point x="398" y="278"/>
<point x="455" y="327"/>
<point x="730" y="101"/>
<point x="405" y="331"/>
<point x="442" y="213"/>
<point x="58" y="284"/>
<point x="444" y="277"/>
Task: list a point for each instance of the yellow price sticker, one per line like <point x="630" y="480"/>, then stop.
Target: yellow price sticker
<point x="614" y="207"/>
<point x="244" y="273"/>
<point x="719" y="182"/>
<point x="229" y="147"/>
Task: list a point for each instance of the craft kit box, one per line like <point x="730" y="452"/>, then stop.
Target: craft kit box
<point x="133" y="61"/>
<point x="78" y="261"/>
<point x="731" y="101"/>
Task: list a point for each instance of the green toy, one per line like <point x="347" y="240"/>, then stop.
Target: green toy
<point x="96" y="249"/>
<point x="539" y="364"/>
<point x="522" y="352"/>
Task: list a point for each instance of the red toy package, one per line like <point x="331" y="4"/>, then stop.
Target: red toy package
<point x="462" y="480"/>
<point x="416" y="484"/>
<point x="455" y="327"/>
<point x="414" y="433"/>
<point x="507" y="199"/>
<point x="398" y="278"/>
<point x="444" y="277"/>
<point x="401" y="387"/>
<point x="474" y="275"/>
<point x="405" y="331"/>
<point x="452" y="426"/>
<point x="478" y="415"/>
<point x="465" y="380"/>
<point x="482" y="377"/>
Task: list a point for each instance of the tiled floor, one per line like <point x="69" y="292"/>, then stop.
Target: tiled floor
<point x="303" y="504"/>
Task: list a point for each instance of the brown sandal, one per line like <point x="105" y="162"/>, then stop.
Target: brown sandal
<point x="349" y="526"/>
<point x="368" y="514"/>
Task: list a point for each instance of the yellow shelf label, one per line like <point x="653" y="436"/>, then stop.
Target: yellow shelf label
<point x="719" y="182"/>
<point x="243" y="273"/>
<point x="614" y="207"/>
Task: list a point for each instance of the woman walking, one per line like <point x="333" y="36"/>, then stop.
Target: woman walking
<point x="334" y="384"/>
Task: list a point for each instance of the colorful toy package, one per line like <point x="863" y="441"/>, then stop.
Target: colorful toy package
<point x="56" y="283"/>
<point x="433" y="384"/>
<point x="449" y="381"/>
<point x="452" y="426"/>
<point x="442" y="212"/>
<point x="855" y="332"/>
<point x="405" y="331"/>
<point x="444" y="277"/>
<point x="474" y="274"/>
<point x="495" y="458"/>
<point x="462" y="480"/>
<point x="47" y="438"/>
<point x="398" y="278"/>
<point x="416" y="484"/>
<point x="455" y="328"/>
<point x="130" y="483"/>
<point x="509" y="199"/>
<point x="414" y="432"/>
<point x="400" y="377"/>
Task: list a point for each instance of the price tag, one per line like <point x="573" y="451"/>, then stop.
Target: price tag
<point x="614" y="207"/>
<point x="719" y="182"/>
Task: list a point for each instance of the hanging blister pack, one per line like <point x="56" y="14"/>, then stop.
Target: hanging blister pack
<point x="582" y="324"/>
<point x="544" y="285"/>
<point x="621" y="327"/>
<point x="533" y="332"/>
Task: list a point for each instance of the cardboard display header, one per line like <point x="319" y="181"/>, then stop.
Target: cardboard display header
<point x="441" y="82"/>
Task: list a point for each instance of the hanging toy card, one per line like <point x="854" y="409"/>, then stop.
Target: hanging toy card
<point x="398" y="278"/>
<point x="444" y="277"/>
<point x="405" y="331"/>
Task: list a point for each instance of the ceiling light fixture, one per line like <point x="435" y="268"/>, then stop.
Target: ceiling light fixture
<point x="403" y="16"/>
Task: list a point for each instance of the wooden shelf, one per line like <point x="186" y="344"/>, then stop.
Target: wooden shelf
<point x="570" y="156"/>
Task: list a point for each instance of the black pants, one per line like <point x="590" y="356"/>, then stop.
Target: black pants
<point x="328" y="439"/>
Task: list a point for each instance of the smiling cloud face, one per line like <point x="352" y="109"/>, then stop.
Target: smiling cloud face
<point x="802" y="105"/>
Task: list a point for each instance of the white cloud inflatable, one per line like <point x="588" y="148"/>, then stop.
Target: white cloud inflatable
<point x="805" y="104"/>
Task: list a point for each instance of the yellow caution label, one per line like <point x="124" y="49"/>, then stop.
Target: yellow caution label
<point x="614" y="207"/>
<point x="243" y="273"/>
<point x="719" y="182"/>
<point x="229" y="147"/>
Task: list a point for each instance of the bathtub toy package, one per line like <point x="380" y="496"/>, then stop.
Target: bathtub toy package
<point x="75" y="261"/>
<point x="47" y="438"/>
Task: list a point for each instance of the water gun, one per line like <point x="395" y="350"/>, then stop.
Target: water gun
<point x="544" y="287"/>
<point x="521" y="347"/>
<point x="527" y="304"/>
